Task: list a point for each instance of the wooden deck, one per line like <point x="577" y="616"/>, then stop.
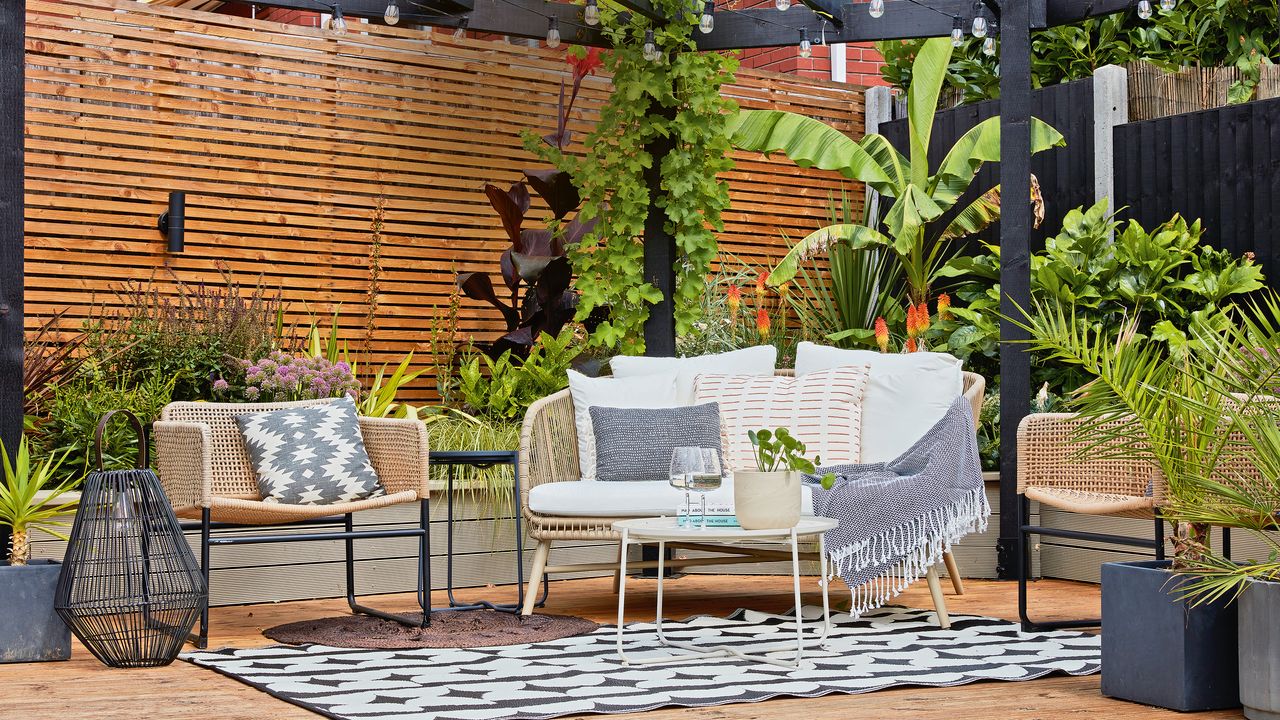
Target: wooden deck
<point x="81" y="689"/>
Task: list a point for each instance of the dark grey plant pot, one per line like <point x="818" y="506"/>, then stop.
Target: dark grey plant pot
<point x="30" y="631"/>
<point x="1160" y="650"/>
<point x="1260" y="650"/>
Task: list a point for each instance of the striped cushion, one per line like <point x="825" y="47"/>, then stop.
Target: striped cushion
<point x="822" y="409"/>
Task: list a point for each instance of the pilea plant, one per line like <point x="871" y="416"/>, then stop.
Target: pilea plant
<point x="676" y="97"/>
<point x="780" y="451"/>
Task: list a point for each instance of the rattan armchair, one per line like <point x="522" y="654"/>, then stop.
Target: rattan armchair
<point x="1058" y="471"/>
<point x="205" y="472"/>
<point x="549" y="453"/>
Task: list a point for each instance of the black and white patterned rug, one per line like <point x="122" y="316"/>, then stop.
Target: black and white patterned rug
<point x="888" y="647"/>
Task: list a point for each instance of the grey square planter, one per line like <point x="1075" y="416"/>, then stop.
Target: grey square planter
<point x="30" y="630"/>
<point x="1260" y="650"/>
<point x="1159" y="650"/>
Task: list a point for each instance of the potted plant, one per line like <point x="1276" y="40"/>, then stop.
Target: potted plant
<point x="1168" y="409"/>
<point x="1245" y="493"/>
<point x="769" y="497"/>
<point x="30" y="630"/>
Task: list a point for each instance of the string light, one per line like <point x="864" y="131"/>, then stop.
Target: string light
<point x="989" y="46"/>
<point x="1168" y="5"/>
<point x="337" y="24"/>
<point x="980" y="27"/>
<point x="650" y="50"/>
<point x="391" y="15"/>
<point x="461" y="32"/>
<point x="707" y="22"/>
<point x="591" y="15"/>
<point x="782" y="5"/>
<point x="876" y="8"/>
<point x="957" y="32"/>
<point x="806" y="48"/>
<point x="553" y="32"/>
<point x="1144" y="9"/>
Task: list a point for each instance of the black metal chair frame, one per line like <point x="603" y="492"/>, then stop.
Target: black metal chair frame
<point x="1026" y="530"/>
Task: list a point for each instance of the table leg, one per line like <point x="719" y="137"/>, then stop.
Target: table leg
<point x="795" y="577"/>
<point x="825" y="583"/>
<point x="622" y="596"/>
<point x="657" y="620"/>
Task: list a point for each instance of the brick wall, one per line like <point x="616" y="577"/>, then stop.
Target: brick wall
<point x="862" y="62"/>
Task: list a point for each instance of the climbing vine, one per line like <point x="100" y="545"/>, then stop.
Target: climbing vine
<point x="678" y="97"/>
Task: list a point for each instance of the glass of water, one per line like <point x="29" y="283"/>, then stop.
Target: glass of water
<point x="695" y="469"/>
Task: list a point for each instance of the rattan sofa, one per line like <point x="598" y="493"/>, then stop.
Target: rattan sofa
<point x="549" y="453"/>
<point x="205" y="472"/>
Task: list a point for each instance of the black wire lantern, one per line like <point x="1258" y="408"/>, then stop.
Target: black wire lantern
<point x="130" y="589"/>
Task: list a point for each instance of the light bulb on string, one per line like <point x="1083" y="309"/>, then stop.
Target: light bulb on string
<point x="1168" y="5"/>
<point x="1144" y="9"/>
<point x="782" y="5"/>
<point x="391" y="15"/>
<point x="337" y="24"/>
<point x="876" y="8"/>
<point x="591" y="14"/>
<point x="989" y="46"/>
<point x="980" y="27"/>
<point x="707" y="22"/>
<point x="461" y="32"/>
<point x="957" y="32"/>
<point x="650" y="50"/>
<point x="553" y="32"/>
<point x="806" y="47"/>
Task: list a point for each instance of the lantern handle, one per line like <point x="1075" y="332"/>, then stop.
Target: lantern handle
<point x="144" y="461"/>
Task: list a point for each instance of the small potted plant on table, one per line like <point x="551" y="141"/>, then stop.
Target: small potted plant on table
<point x="770" y="497"/>
<point x="30" y="630"/>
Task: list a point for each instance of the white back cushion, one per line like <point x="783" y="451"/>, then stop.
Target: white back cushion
<point x="758" y="360"/>
<point x="822" y="410"/>
<point x="646" y="391"/>
<point x="907" y="394"/>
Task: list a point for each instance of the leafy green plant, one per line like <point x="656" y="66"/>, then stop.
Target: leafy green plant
<point x="1196" y="33"/>
<point x="779" y="451"/>
<point x="677" y="100"/>
<point x="1165" y="277"/>
<point x="503" y="388"/>
<point x="919" y="198"/>
<point x="76" y="407"/>
<point x="22" y="507"/>
<point x="190" y="333"/>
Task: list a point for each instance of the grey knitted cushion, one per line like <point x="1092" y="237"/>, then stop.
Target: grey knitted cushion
<point x="636" y="443"/>
<point x="311" y="455"/>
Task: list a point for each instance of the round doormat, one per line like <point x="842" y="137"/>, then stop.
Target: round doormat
<point x="464" y="629"/>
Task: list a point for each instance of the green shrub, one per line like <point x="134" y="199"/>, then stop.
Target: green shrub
<point x="75" y="408"/>
<point x="503" y="389"/>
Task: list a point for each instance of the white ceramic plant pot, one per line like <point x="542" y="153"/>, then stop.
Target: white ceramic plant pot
<point x="767" y="500"/>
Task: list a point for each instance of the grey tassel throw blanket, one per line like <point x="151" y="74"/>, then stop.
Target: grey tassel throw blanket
<point x="897" y="518"/>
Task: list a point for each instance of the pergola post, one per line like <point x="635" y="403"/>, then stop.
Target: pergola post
<point x="1015" y="264"/>
<point x="659" y="253"/>
<point x="13" y="19"/>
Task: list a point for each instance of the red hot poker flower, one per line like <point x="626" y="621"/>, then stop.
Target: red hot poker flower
<point x="762" y="283"/>
<point x="922" y="317"/>
<point x="911" y="345"/>
<point x="882" y="334"/>
<point x="944" y="307"/>
<point x="734" y="297"/>
<point x="913" y="325"/>
<point x="763" y="323"/>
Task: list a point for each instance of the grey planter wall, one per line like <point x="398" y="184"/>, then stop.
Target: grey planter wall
<point x="1260" y="651"/>
<point x="30" y="631"/>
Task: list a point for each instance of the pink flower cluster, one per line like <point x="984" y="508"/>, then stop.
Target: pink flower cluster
<point x="281" y="376"/>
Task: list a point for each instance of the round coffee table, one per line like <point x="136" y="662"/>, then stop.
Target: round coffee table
<point x="663" y="530"/>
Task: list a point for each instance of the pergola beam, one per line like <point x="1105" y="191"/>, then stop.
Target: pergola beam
<point x="902" y="20"/>
<point x="1066" y="12"/>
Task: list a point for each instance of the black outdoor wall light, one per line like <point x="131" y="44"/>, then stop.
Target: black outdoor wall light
<point x="173" y="224"/>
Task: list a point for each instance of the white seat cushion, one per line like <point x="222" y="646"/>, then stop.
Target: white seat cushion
<point x="587" y="498"/>
<point x="758" y="360"/>
<point x="907" y="394"/>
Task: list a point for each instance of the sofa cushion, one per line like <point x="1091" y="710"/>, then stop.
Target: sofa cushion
<point x="906" y="394"/>
<point x="627" y="499"/>
<point x="822" y="410"/>
<point x="634" y="444"/>
<point x="758" y="360"/>
<point x="646" y="391"/>
<point x="311" y="455"/>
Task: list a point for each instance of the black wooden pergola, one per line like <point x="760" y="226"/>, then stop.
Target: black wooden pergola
<point x="832" y="20"/>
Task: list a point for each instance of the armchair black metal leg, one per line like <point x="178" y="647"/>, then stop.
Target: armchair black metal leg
<point x="423" y="562"/>
<point x="1159" y="537"/>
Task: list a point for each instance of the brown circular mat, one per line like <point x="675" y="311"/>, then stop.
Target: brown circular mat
<point x="472" y="628"/>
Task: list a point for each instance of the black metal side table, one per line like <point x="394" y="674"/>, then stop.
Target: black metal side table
<point x="482" y="459"/>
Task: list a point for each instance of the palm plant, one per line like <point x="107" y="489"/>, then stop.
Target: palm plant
<point x="22" y="507"/>
<point x="919" y="198"/>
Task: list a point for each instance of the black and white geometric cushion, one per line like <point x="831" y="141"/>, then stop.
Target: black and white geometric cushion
<point x="309" y="455"/>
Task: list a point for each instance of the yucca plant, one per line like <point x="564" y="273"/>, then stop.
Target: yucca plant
<point x="21" y="506"/>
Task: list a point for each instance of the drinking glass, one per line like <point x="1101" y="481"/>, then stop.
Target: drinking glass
<point x="695" y="469"/>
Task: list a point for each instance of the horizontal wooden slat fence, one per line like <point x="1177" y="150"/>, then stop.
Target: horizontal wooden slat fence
<point x="286" y="138"/>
